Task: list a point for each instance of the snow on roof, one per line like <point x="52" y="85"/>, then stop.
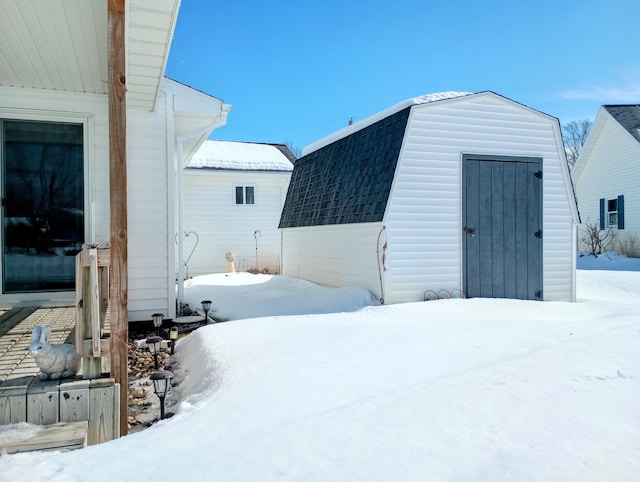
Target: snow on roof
<point x="423" y="99"/>
<point x="241" y="156"/>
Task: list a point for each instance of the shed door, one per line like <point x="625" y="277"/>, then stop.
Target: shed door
<point x="502" y="227"/>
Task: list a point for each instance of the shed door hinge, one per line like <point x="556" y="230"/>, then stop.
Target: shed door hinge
<point x="538" y="233"/>
<point x="538" y="294"/>
<point x="538" y="174"/>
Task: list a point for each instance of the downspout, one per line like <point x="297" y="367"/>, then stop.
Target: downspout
<point x="180" y="198"/>
<point x="180" y="224"/>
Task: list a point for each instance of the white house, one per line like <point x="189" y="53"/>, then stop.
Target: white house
<point x="449" y="191"/>
<point x="54" y="126"/>
<point x="606" y="172"/>
<point x="233" y="197"/>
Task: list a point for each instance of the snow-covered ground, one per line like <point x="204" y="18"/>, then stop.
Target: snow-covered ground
<point x="456" y="390"/>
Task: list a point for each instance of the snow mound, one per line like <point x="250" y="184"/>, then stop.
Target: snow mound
<point x="609" y="261"/>
<point x="243" y="295"/>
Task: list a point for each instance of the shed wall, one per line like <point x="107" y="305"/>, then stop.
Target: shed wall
<point x="222" y="226"/>
<point x="334" y="255"/>
<point x="608" y="172"/>
<point x="423" y="217"/>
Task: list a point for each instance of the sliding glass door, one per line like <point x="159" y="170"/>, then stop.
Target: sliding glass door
<point x="42" y="204"/>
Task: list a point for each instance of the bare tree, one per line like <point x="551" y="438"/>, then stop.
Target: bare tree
<point x="575" y="134"/>
<point x="596" y="240"/>
<point x="294" y="149"/>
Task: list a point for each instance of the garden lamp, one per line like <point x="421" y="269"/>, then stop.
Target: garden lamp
<point x="157" y="321"/>
<point x="154" y="343"/>
<point x="206" y="306"/>
<point x="161" y="381"/>
<point x="173" y="336"/>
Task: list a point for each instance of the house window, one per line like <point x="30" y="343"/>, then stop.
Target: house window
<point x="245" y="195"/>
<point x="612" y="212"/>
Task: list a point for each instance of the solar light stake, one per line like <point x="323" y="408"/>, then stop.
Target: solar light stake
<point x="206" y="306"/>
<point x="154" y="343"/>
<point x="161" y="381"/>
<point x="173" y="336"/>
<point x="157" y="321"/>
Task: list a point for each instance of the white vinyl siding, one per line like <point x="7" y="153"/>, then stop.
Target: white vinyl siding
<point x="222" y="226"/>
<point x="334" y="255"/>
<point x="609" y="169"/>
<point x="423" y="217"/>
<point x="150" y="224"/>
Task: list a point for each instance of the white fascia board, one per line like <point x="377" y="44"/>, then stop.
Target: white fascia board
<point x="585" y="153"/>
<point x="188" y="99"/>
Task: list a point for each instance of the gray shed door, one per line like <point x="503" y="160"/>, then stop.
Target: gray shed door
<point x="502" y="227"/>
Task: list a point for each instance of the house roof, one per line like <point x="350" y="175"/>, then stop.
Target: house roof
<point x="242" y="156"/>
<point x="62" y="45"/>
<point x="348" y="180"/>
<point x="625" y="117"/>
<point x="628" y="116"/>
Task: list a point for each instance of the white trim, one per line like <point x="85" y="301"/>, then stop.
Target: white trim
<point x="172" y="199"/>
<point x="88" y="135"/>
<point x="244" y="195"/>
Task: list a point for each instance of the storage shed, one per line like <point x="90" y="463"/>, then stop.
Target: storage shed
<point x="233" y="197"/>
<point x="444" y="192"/>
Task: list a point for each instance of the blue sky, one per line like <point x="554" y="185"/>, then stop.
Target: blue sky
<point x="297" y="71"/>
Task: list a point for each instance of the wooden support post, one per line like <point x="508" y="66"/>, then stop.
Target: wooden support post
<point x="104" y="422"/>
<point x="91" y="365"/>
<point x="118" y="201"/>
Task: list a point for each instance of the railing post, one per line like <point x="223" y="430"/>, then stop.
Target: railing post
<point x="92" y="291"/>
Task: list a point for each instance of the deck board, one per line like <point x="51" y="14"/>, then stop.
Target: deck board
<point x="27" y="437"/>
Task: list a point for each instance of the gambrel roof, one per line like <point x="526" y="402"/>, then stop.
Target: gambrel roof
<point x="348" y="180"/>
<point x="347" y="176"/>
<point x="628" y="116"/>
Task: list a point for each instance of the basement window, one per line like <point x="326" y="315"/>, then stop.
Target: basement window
<point x="245" y="195"/>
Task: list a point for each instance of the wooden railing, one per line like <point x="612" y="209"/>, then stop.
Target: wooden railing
<point x="92" y="303"/>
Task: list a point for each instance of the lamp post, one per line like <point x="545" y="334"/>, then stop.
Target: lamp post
<point x="206" y="306"/>
<point x="173" y="336"/>
<point x="157" y="321"/>
<point x="161" y="387"/>
<point x="154" y="343"/>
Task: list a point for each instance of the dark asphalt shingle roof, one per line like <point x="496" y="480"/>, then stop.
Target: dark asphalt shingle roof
<point x="347" y="181"/>
<point x="628" y="116"/>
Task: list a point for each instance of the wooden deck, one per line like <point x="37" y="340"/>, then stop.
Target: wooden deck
<point x="16" y="327"/>
<point x="58" y="404"/>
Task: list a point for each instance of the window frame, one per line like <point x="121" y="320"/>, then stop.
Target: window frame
<point x="612" y="214"/>
<point x="245" y="194"/>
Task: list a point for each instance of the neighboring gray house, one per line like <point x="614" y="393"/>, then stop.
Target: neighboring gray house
<point x="441" y="192"/>
<point x="606" y="176"/>
<point x="233" y="197"/>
